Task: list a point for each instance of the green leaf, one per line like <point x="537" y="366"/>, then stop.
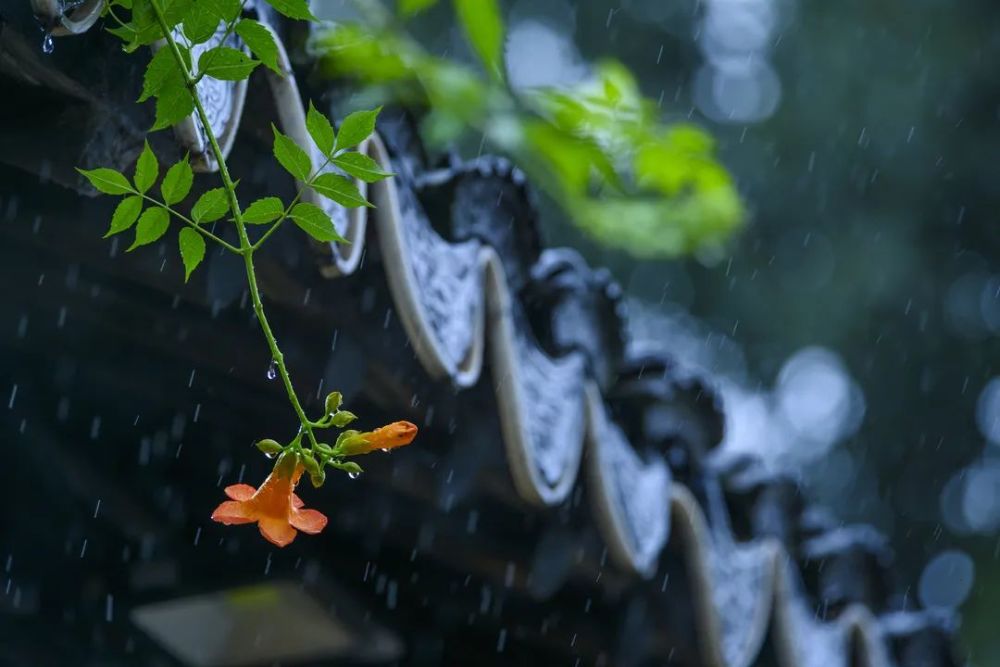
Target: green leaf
<point x="161" y="69"/>
<point x="210" y="206"/>
<point x="261" y="41"/>
<point x="263" y="211"/>
<point x="108" y="181"/>
<point x="339" y="189"/>
<point x="146" y="27"/>
<point x="226" y="64"/>
<point x="320" y="130"/>
<point x="361" y="166"/>
<point x="410" y="7"/>
<point x="125" y="214"/>
<point x="177" y="183"/>
<point x="295" y="160"/>
<point x="146" y="169"/>
<point x="484" y="27"/>
<point x="192" y="245"/>
<point x="175" y="10"/>
<point x="153" y="224"/>
<point x="356" y="128"/>
<point x="293" y="9"/>
<point x="201" y="22"/>
<point x="315" y="222"/>
<point x="173" y="105"/>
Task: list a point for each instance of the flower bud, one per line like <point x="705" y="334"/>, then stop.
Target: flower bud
<point x="310" y="464"/>
<point x="333" y="401"/>
<point x="269" y="447"/>
<point x="342" y="418"/>
<point x="396" y="434"/>
<point x="350" y="467"/>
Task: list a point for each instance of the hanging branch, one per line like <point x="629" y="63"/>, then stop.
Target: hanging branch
<point x="173" y="28"/>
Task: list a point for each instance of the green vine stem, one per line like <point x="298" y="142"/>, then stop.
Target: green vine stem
<point x="246" y="249"/>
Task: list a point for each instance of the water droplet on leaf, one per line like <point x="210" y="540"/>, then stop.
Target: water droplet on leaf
<point x="354" y="475"/>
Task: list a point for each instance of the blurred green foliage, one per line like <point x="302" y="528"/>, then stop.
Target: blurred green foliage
<point x="599" y="149"/>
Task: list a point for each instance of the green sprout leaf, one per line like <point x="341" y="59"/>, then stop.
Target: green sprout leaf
<point x="108" y="181"/>
<point x="320" y="130"/>
<point x="295" y="160"/>
<point x="484" y="28"/>
<point x="153" y="224"/>
<point x="293" y="9"/>
<point x="361" y="166"/>
<point x="146" y="169"/>
<point x="125" y="214"/>
<point x="356" y="128"/>
<point x="339" y="189"/>
<point x="261" y="41"/>
<point x="315" y="222"/>
<point x="226" y="63"/>
<point x="263" y="211"/>
<point x="192" y="246"/>
<point x="177" y="183"/>
<point x="210" y="206"/>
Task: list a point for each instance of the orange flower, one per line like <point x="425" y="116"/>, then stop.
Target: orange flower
<point x="390" y="436"/>
<point x="274" y="507"/>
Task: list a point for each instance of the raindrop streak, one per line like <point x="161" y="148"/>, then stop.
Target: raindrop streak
<point x="272" y="370"/>
<point x="109" y="608"/>
<point x="48" y="46"/>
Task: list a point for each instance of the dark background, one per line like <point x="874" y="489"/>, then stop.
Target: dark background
<point x="864" y="144"/>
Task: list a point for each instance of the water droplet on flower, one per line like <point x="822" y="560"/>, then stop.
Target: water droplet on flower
<point x="384" y="450"/>
<point x="48" y="45"/>
<point x="354" y="475"/>
<point x="272" y="370"/>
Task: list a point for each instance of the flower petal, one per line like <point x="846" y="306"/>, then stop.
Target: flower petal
<point x="308" y="521"/>
<point x="240" y="491"/>
<point x="232" y="512"/>
<point x="296" y="501"/>
<point x="277" y="531"/>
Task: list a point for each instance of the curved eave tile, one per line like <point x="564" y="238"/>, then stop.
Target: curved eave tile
<point x="60" y="22"/>
<point x="733" y="585"/>
<point x="629" y="495"/>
